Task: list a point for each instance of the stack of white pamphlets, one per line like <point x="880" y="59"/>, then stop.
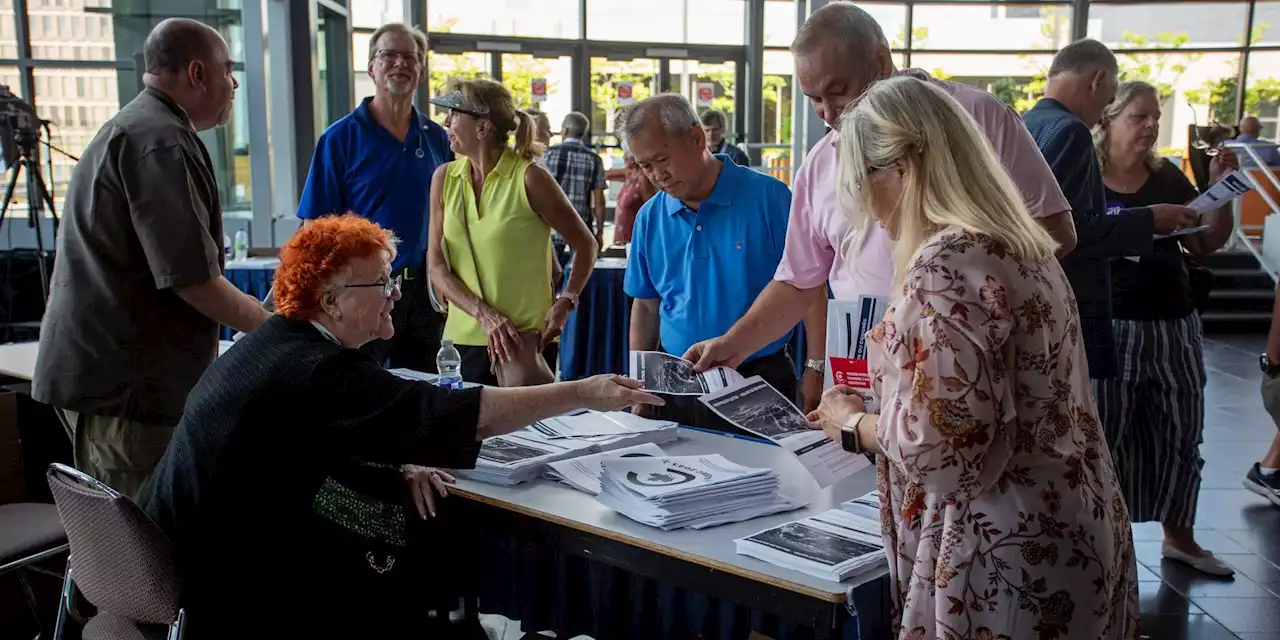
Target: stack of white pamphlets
<point x="832" y="545"/>
<point x="523" y="455"/>
<point x="757" y="407"/>
<point x="583" y="473"/>
<point x="866" y="507"/>
<point x="689" y="491"/>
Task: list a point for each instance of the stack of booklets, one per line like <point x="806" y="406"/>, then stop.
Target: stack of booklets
<point x="689" y="491"/>
<point x="583" y="473"/>
<point x="834" y="545"/>
<point x="522" y="455"/>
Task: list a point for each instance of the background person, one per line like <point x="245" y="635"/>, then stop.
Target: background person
<point x="1264" y="477"/>
<point x="635" y="192"/>
<point x="378" y="161"/>
<point x="987" y="460"/>
<point x="270" y="466"/>
<point x="490" y="254"/>
<point x="715" y="124"/>
<point x="137" y="293"/>
<point x="580" y="173"/>
<point x="1250" y="130"/>
<point x="1153" y="410"/>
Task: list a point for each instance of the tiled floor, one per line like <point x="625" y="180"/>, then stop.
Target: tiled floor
<point x="1241" y="528"/>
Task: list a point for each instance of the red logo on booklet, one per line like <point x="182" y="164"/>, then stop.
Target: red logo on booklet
<point x="850" y="372"/>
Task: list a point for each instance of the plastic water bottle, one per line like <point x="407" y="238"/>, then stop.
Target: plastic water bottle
<point x="242" y="245"/>
<point x="226" y="246"/>
<point x="449" y="364"/>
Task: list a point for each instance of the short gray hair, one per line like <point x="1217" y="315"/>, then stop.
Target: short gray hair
<point x="672" y="110"/>
<point x="1084" y="57"/>
<point x="713" y="117"/>
<point x="843" y="23"/>
<point x="575" y="125"/>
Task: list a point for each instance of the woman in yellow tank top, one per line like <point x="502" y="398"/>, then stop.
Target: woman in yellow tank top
<point x="489" y="249"/>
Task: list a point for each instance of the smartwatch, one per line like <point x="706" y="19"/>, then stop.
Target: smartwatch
<point x="849" y="434"/>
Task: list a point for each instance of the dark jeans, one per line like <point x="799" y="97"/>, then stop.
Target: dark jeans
<point x="418" y="328"/>
<point x="777" y="369"/>
<point x="476" y="364"/>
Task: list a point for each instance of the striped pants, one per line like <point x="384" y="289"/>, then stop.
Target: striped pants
<point x="1153" y="417"/>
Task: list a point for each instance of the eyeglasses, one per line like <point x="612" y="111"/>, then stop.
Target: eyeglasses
<point x="389" y="287"/>
<point x="390" y="56"/>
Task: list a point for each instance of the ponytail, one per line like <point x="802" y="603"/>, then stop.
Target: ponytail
<point x="527" y="144"/>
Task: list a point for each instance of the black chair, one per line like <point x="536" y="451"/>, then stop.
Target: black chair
<point x="29" y="533"/>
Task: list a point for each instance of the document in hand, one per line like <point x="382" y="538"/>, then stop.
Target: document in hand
<point x="833" y="545"/>
<point x="665" y="373"/>
<point x="760" y="409"/>
<point x="1231" y="186"/>
<point x="1182" y="232"/>
<point x="583" y="473"/>
<point x="689" y="491"/>
<point x="848" y="322"/>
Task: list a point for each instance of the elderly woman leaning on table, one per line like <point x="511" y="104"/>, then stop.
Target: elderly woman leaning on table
<point x="1001" y="511"/>
<point x="489" y="244"/>
<point x="1153" y="410"/>
<point x="269" y="487"/>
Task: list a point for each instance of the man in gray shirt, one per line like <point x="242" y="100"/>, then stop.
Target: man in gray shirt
<point x="137" y="292"/>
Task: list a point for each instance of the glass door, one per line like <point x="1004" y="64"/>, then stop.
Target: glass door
<point x="542" y="83"/>
<point x="446" y="66"/>
<point x="708" y="86"/>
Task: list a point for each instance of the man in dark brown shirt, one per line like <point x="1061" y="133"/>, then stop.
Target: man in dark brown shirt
<point x="137" y="291"/>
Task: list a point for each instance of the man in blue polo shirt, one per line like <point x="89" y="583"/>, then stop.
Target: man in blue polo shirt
<point x="702" y="249"/>
<point x="377" y="161"/>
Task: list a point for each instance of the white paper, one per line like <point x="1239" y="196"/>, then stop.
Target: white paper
<point x="1231" y="186"/>
<point x="848" y="322"/>
<point x="667" y="374"/>
<point x="1181" y="232"/>
<point x="759" y="408"/>
<point x="584" y="473"/>
<point x="833" y="545"/>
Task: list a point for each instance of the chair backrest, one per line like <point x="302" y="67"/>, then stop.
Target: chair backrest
<point x="120" y="559"/>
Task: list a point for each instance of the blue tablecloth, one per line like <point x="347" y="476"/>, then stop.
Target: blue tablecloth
<point x="253" y="281"/>
<point x="596" y="335"/>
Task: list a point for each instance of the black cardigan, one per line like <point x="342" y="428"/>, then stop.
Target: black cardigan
<point x="262" y="429"/>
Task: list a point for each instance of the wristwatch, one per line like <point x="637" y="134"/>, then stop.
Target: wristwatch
<point x="819" y="366"/>
<point x="849" y="434"/>
<point x="1272" y="369"/>
<point x="571" y="297"/>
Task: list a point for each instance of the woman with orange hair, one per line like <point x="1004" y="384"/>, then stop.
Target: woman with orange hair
<point x="269" y="487"/>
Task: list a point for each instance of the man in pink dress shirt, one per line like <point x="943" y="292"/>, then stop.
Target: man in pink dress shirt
<point x="839" y="52"/>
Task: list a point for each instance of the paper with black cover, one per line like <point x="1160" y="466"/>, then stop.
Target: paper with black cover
<point x="667" y="374"/>
<point x="759" y="408"/>
<point x="833" y="545"/>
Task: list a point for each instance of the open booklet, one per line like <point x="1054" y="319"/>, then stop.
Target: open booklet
<point x="848" y="322"/>
<point x="665" y="373"/>
<point x="757" y="407"/>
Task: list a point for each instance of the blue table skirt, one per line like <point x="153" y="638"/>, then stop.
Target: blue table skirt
<point x="596" y="335"/>
<point x="255" y="282"/>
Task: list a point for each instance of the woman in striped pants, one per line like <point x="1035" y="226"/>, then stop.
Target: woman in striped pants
<point x="1153" y="410"/>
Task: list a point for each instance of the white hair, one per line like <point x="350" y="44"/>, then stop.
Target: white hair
<point x="672" y="110"/>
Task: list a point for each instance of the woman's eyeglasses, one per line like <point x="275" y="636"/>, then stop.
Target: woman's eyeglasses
<point x="389" y="286"/>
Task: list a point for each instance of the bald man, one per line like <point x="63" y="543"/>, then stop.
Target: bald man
<point x="137" y="292"/>
<point x="1250" y="129"/>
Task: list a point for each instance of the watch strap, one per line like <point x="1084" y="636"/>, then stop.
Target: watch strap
<point x="849" y="434"/>
<point x="571" y="297"/>
<point x="819" y="366"/>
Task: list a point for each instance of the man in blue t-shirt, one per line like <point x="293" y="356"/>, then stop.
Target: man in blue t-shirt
<point x="702" y="249"/>
<point x="377" y="161"/>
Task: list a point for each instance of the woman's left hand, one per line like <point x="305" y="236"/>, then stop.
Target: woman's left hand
<point x="422" y="482"/>
<point x="1222" y="164"/>
<point x="838" y="406"/>
<point x="556" y="318"/>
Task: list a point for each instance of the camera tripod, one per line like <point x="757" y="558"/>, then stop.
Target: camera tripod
<point x="38" y="197"/>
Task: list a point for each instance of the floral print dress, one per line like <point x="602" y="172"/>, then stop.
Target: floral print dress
<point x="1001" y="512"/>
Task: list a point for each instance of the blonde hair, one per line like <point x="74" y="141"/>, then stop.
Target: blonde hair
<point x="1125" y="93"/>
<point x="504" y="115"/>
<point x="951" y="177"/>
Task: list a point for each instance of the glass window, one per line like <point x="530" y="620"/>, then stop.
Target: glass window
<point x="541" y="19"/>
<point x="375" y="13"/>
<point x="952" y="26"/>
<point x="605" y="77"/>
<point x="779" y="92"/>
<point x="1262" y="91"/>
<point x="1168" y="26"/>
<point x="8" y="31"/>
<point x="686" y="75"/>
<point x="779" y="23"/>
<point x="444" y="66"/>
<point x="1266" y="24"/>
<point x="1196" y="88"/>
<point x="518" y="72"/>
<point x="1018" y="80"/>
<point x="674" y="21"/>
<point x="9" y="78"/>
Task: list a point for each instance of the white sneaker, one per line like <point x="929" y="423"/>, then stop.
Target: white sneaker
<point x="1206" y="563"/>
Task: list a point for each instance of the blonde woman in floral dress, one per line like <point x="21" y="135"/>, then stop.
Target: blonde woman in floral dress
<point x="1001" y="512"/>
